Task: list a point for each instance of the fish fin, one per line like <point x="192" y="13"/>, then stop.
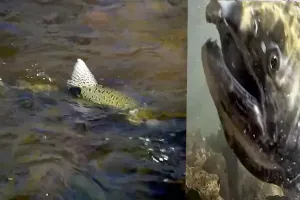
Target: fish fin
<point x="75" y="91"/>
<point x="81" y="76"/>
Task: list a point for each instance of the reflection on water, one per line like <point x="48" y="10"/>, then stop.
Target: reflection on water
<point x="54" y="146"/>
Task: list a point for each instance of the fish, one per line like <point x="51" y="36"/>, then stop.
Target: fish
<point x="83" y="79"/>
<point x="253" y="76"/>
<point x="84" y="85"/>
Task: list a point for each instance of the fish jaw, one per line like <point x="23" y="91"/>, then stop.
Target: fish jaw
<point x="238" y="110"/>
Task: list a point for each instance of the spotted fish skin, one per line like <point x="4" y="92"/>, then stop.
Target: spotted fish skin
<point x="81" y="76"/>
<point x="83" y="79"/>
<point x="108" y="97"/>
<point x="89" y="89"/>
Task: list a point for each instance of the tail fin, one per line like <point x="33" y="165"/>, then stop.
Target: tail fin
<point x="81" y="76"/>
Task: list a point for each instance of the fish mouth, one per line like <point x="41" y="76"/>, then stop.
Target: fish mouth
<point x="239" y="96"/>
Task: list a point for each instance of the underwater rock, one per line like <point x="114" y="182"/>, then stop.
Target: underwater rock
<point x="215" y="164"/>
<point x="206" y="184"/>
<point x="52" y="18"/>
<point x="43" y="2"/>
<point x="196" y="158"/>
<point x="175" y="2"/>
<point x="193" y="195"/>
<point x="96" y="19"/>
<point x="36" y="87"/>
<point x="207" y="178"/>
<point x="197" y="152"/>
<point x="200" y="184"/>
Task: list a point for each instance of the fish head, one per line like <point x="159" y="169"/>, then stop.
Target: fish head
<point x="254" y="81"/>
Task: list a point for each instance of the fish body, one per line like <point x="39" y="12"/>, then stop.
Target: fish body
<point x="108" y="97"/>
<point x="84" y="84"/>
<point x="254" y="81"/>
<point x="83" y="79"/>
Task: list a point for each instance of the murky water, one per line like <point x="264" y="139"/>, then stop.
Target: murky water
<point x="200" y="108"/>
<point x="54" y="146"/>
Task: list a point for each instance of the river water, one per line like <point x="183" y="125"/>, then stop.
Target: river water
<point x="54" y="146"/>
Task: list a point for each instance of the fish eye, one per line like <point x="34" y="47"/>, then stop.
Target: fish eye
<point x="273" y="60"/>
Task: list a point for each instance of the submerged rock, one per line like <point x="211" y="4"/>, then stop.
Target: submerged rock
<point x="206" y="184"/>
<point x="207" y="178"/>
<point x="198" y="181"/>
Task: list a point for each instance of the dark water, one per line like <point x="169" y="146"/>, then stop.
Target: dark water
<point x="53" y="146"/>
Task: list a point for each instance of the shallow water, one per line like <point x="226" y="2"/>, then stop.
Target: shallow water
<point x="54" y="146"/>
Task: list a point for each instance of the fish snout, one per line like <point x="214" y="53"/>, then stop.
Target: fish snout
<point x="218" y="11"/>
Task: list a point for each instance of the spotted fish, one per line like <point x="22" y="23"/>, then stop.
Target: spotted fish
<point x="85" y="85"/>
<point x="83" y="79"/>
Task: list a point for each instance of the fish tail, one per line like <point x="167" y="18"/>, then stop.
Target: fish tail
<point x="81" y="76"/>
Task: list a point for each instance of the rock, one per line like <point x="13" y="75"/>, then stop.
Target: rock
<point x="95" y="19"/>
<point x="175" y="2"/>
<point x="52" y="18"/>
<point x="197" y="150"/>
<point x="216" y="164"/>
<point x="277" y="198"/>
<point x="196" y="158"/>
<point x="207" y="174"/>
<point x="80" y="40"/>
<point x="193" y="195"/>
<point x="43" y="2"/>
<point x="206" y="184"/>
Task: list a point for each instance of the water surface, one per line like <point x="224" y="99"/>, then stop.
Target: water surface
<point x="54" y="146"/>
